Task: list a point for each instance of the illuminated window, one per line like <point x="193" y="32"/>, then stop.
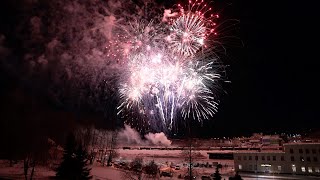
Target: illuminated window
<point x="317" y="170"/>
<point x="292" y="158"/>
<point x="303" y="169"/>
<point x="240" y="166"/>
<point x="310" y="169"/>
<point x="279" y="168"/>
<point x="294" y="168"/>
<point x="274" y="158"/>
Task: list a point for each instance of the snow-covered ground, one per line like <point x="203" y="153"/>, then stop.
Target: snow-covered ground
<point x="164" y="158"/>
<point x="16" y="171"/>
<point x="110" y="173"/>
<point x="175" y="156"/>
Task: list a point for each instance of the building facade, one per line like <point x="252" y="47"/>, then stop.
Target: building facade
<point x="298" y="158"/>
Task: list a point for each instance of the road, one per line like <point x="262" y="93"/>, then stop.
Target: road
<point x="278" y="177"/>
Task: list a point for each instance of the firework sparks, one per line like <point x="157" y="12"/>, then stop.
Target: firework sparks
<point x="191" y="29"/>
<point x="167" y="75"/>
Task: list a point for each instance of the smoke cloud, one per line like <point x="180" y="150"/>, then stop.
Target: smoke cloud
<point x="158" y="138"/>
<point x="69" y="49"/>
<point x="130" y="136"/>
<point x="167" y="14"/>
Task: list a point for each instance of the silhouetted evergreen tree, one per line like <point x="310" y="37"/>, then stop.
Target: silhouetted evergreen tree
<point x="151" y="169"/>
<point x="66" y="168"/>
<point x="83" y="172"/>
<point x="237" y="177"/>
<point x="74" y="164"/>
<point x="217" y="175"/>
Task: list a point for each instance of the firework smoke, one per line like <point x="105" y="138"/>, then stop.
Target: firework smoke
<point x="130" y="136"/>
<point x="86" y="54"/>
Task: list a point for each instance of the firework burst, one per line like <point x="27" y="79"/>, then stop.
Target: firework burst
<point x="167" y="75"/>
<point x="191" y="29"/>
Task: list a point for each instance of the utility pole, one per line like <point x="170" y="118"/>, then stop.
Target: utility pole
<point x="190" y="151"/>
<point x="190" y="158"/>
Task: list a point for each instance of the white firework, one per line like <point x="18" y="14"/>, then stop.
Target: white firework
<point x="166" y="74"/>
<point x="161" y="85"/>
<point x="188" y="34"/>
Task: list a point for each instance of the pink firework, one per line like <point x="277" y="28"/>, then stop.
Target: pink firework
<point x="191" y="29"/>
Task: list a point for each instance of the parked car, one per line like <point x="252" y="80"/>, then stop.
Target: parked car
<point x="205" y="178"/>
<point x="187" y="177"/>
<point x="166" y="174"/>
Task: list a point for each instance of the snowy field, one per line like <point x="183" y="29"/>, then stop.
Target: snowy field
<point x="163" y="158"/>
<point x="16" y="171"/>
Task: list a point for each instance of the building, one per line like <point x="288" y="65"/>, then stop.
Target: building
<point x="226" y="155"/>
<point x="297" y="158"/>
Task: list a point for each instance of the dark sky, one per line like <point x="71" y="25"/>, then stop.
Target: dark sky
<point x="274" y="72"/>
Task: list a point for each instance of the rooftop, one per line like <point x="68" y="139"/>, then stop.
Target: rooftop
<point x="260" y="152"/>
<point x="301" y="143"/>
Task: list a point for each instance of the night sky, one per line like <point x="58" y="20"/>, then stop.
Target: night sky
<point x="272" y="65"/>
<point x="274" y="75"/>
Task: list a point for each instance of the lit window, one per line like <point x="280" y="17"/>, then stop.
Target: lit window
<point x="303" y="169"/>
<point x="317" y="170"/>
<point x="240" y="166"/>
<point x="310" y="169"/>
<point x="279" y="168"/>
<point x="294" y="168"/>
